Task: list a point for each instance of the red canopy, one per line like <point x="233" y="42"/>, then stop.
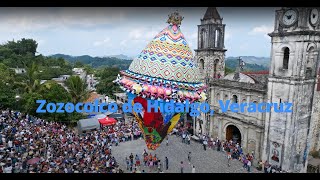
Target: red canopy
<point x="107" y="121"/>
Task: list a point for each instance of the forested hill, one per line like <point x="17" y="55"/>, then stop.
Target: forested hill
<point x="96" y="62"/>
<point x="251" y="64"/>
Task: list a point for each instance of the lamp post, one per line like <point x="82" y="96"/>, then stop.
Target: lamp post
<point x="17" y="101"/>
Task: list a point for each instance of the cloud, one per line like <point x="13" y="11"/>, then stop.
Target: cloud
<point x="123" y="42"/>
<point x="244" y="46"/>
<point x="135" y="34"/>
<point x="142" y="34"/>
<point x="106" y="41"/>
<point x="34" y="19"/>
<point x="263" y="29"/>
<point x="227" y="35"/>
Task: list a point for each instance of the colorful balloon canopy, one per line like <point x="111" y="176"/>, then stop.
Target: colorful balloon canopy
<point x="163" y="71"/>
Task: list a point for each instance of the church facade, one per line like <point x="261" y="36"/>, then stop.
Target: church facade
<point x="283" y="139"/>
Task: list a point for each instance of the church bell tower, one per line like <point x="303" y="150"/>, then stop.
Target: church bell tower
<point x="210" y="53"/>
<point x="292" y="78"/>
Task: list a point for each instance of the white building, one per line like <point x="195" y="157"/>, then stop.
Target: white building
<point x="19" y="70"/>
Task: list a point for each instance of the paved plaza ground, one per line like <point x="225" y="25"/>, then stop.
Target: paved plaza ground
<point x="209" y="161"/>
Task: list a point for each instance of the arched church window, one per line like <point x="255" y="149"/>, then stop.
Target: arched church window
<point x="215" y="68"/>
<point x="217" y="98"/>
<point x="286" y="54"/>
<point x="310" y="63"/>
<point x="235" y="99"/>
<point x="202" y="38"/>
<point x="216" y="38"/>
<point x="201" y="64"/>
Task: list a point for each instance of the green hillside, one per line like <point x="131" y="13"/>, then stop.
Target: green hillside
<point x="96" y="62"/>
<point x="233" y="63"/>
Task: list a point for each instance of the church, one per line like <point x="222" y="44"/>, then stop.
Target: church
<point x="283" y="139"/>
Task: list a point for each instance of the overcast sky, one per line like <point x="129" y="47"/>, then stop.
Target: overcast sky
<point x="111" y="30"/>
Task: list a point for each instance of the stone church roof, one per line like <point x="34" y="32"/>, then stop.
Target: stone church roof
<point x="252" y="81"/>
<point x="212" y="13"/>
<point x="260" y="77"/>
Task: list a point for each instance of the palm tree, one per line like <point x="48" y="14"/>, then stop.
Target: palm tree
<point x="31" y="83"/>
<point x="77" y="89"/>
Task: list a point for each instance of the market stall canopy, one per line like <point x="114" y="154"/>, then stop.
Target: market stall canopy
<point x="107" y="121"/>
<point x="88" y="124"/>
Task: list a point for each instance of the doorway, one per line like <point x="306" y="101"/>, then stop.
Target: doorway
<point x="233" y="133"/>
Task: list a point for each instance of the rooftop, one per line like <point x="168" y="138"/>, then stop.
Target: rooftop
<point x="211" y="13"/>
<point x="256" y="81"/>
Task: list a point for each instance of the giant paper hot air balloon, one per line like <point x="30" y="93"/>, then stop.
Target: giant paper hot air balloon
<point x="163" y="71"/>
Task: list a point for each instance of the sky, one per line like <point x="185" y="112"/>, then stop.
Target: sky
<point x="104" y="31"/>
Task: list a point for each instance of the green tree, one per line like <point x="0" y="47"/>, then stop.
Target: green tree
<point x="88" y="69"/>
<point x="7" y="96"/>
<point x="32" y="83"/>
<point x="228" y="70"/>
<point x="78" y="64"/>
<point x="23" y="46"/>
<point x="77" y="89"/>
<point x="53" y="92"/>
<point x="106" y="85"/>
<point x="7" y="92"/>
<point x="28" y="102"/>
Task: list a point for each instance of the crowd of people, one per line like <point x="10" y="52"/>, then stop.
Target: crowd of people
<point x="152" y="162"/>
<point x="33" y="145"/>
<point x="232" y="148"/>
<point x="123" y="132"/>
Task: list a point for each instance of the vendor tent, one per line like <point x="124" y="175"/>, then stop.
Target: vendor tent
<point x="107" y="121"/>
<point x="88" y="124"/>
<point x="100" y="116"/>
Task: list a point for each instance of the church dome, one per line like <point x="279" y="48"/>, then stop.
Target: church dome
<point x="165" y="67"/>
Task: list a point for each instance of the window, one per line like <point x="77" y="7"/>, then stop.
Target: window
<point x="201" y="64"/>
<point x="310" y="63"/>
<point x="202" y="38"/>
<point x="235" y="98"/>
<point x="286" y="54"/>
<point x="218" y="97"/>
<point x="215" y="68"/>
<point x="216" y="38"/>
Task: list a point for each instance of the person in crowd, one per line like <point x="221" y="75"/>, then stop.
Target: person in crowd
<point x="167" y="162"/>
<point x="193" y="169"/>
<point x="189" y="157"/>
<point x="181" y="166"/>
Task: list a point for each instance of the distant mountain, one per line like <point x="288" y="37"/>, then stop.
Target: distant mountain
<point x="123" y="62"/>
<point x="96" y="62"/>
<point x="263" y="61"/>
<point x="252" y="63"/>
<point x="121" y="56"/>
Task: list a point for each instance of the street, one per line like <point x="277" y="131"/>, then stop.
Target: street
<point x="210" y="161"/>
